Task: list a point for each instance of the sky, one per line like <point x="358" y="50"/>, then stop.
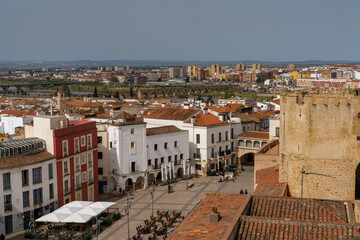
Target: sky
<point x="263" y="30"/>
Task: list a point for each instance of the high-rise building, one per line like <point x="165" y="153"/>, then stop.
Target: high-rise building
<point x="240" y="66"/>
<point x="215" y="68"/>
<point x="256" y="66"/>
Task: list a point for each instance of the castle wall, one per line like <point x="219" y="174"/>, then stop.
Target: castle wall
<point x="319" y="132"/>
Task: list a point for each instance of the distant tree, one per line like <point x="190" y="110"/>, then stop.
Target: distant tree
<point x="209" y="100"/>
<point x="159" y="80"/>
<point x="187" y="79"/>
<point x="95" y="95"/>
<point x="117" y="94"/>
<point x="131" y="92"/>
<point x="65" y="88"/>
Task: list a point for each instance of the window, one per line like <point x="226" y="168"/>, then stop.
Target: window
<point x="66" y="186"/>
<point x="25" y="177"/>
<point x="244" y="129"/>
<point x="83" y="159"/>
<point x="77" y="163"/>
<point x="84" y="176"/>
<point x="65" y="148"/>
<point x="175" y="144"/>
<point x="36" y="172"/>
<point x="226" y="147"/>
<point x="7" y="202"/>
<point x="6" y="181"/>
<point x="51" y="173"/>
<point x="89" y="143"/>
<point x="226" y="135"/>
<point x="51" y="191"/>
<point x="111" y="144"/>
<point x="169" y="158"/>
<point x="100" y="171"/>
<point x="197" y="138"/>
<point x="220" y="150"/>
<point x="90" y="159"/>
<point x="76" y="145"/>
<point x="277" y="132"/>
<point x="232" y="146"/>
<point x="241" y="142"/>
<point x="83" y="141"/>
<point x="132" y="144"/>
<point x="232" y="133"/>
<point x="155" y="147"/>
<point x="220" y="137"/>
<point x="77" y="182"/>
<point x="166" y="145"/>
<point x="198" y="166"/>
<point x="156" y="163"/>
<point x="26" y="199"/>
<point x="37" y="195"/>
<point x="133" y="167"/>
<point x="213" y="152"/>
<point x="66" y="169"/>
<point x="249" y="143"/>
<point x="175" y="158"/>
<point x="162" y="159"/>
<point x="132" y="131"/>
<point x="99" y="139"/>
<point x="91" y="180"/>
<point x="256" y="144"/>
<point x="149" y="162"/>
<point x="100" y="155"/>
<point x="181" y="156"/>
<point x="212" y="138"/>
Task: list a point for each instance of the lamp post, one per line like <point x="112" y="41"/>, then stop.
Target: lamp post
<point x="152" y="199"/>
<point x="187" y="167"/>
<point x="128" y="213"/>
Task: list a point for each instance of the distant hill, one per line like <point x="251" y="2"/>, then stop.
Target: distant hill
<point x="92" y="63"/>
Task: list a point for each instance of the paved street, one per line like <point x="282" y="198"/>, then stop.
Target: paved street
<point x="180" y="200"/>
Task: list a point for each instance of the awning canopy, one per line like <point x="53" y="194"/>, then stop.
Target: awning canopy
<point x="76" y="212"/>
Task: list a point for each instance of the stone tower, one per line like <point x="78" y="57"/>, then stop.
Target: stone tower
<point x="61" y="97"/>
<point x="320" y="133"/>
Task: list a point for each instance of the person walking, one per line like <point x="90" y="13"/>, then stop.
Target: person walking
<point x="241" y="191"/>
<point x="169" y="188"/>
<point x="246" y="192"/>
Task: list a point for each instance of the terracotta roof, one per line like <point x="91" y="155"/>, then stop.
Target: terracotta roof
<point x="245" y="117"/>
<point x="81" y="103"/>
<point x="216" y="109"/>
<point x="232" y="107"/>
<point x="262" y="135"/>
<point x="123" y="115"/>
<point x="259" y="115"/>
<point x="276" y="101"/>
<point x="15" y="113"/>
<point x="268" y="183"/>
<point x="172" y="113"/>
<point x="264" y="228"/>
<point x="103" y="115"/>
<point x="22" y="160"/>
<point x="197" y="225"/>
<point x="252" y="105"/>
<point x="162" y="130"/>
<point x="207" y="120"/>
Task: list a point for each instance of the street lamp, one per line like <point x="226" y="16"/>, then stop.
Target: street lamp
<point x="128" y="213"/>
<point x="152" y="200"/>
<point x="187" y="166"/>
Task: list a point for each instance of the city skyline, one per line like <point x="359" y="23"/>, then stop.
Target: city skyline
<point x="183" y="31"/>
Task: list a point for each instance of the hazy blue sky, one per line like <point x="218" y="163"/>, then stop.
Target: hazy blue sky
<point x="277" y="30"/>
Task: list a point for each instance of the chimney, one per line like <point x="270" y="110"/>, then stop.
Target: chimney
<point x="221" y="117"/>
<point x="192" y="120"/>
<point x="186" y="105"/>
<point x="214" y="215"/>
<point x="205" y="110"/>
<point x="163" y="105"/>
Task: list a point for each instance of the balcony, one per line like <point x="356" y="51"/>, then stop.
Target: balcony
<point x="78" y="187"/>
<point x="77" y="169"/>
<point x="66" y="173"/>
<point x="8" y="207"/>
<point x="90" y="181"/>
<point x="67" y="192"/>
<point x="197" y="155"/>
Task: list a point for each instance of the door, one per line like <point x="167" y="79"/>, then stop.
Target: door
<point x="8" y="224"/>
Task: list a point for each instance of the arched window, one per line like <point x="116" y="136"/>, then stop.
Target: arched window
<point x="248" y="143"/>
<point x="257" y="144"/>
<point x="241" y="142"/>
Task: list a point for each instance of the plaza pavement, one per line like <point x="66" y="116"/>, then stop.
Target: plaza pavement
<point x="180" y="200"/>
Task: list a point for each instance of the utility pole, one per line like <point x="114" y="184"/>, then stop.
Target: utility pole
<point x="186" y="175"/>
<point x="152" y="200"/>
<point x="302" y="187"/>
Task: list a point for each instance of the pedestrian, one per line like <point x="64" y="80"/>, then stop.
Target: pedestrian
<point x="32" y="227"/>
<point x="241" y="191"/>
<point x="29" y="226"/>
<point x="246" y="192"/>
<point x="169" y="188"/>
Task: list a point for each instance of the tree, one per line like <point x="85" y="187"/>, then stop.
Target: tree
<point x="117" y="94"/>
<point x="95" y="93"/>
<point x="131" y="92"/>
<point x="65" y="88"/>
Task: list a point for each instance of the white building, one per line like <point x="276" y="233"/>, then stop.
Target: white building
<point x="11" y="119"/>
<point x="167" y="153"/>
<point x="274" y="128"/>
<point x="27" y="185"/>
<point x="127" y="156"/>
<point x="209" y="135"/>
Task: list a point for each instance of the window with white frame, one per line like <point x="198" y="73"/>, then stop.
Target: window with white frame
<point x="65" y="148"/>
<point x="83" y="159"/>
<point x="132" y="131"/>
<point x="66" y="168"/>
<point x="77" y="163"/>
<point x="76" y="145"/>
<point x="84" y="176"/>
<point x="83" y="143"/>
<point x="90" y="176"/>
<point x="66" y="186"/>
<point x="90" y="159"/>
<point x="77" y="182"/>
<point x="89" y="143"/>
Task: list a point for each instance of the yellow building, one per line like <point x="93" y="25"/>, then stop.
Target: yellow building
<point x="256" y="66"/>
<point x="240" y="66"/>
<point x="192" y="70"/>
<point x="294" y="75"/>
<point x="215" y="68"/>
